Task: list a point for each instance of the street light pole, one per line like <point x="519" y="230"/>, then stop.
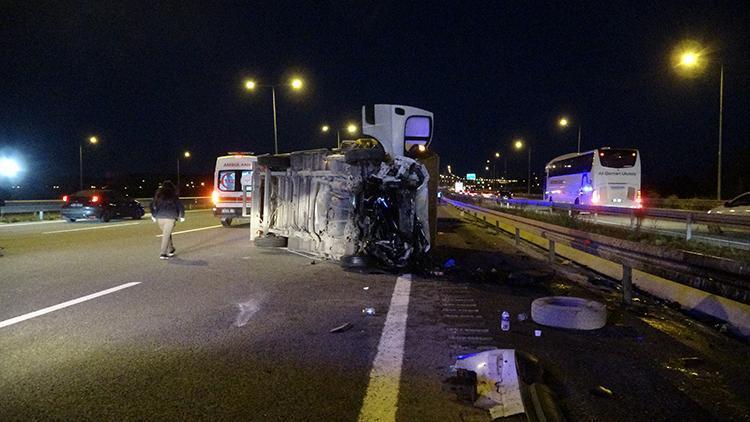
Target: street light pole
<point x="80" y="166"/>
<point x="579" y="138"/>
<point x="178" y="173"/>
<point x="92" y="140"/>
<point x="528" y="189"/>
<point x="721" y="118"/>
<point x="689" y="57"/>
<point x="295" y="83"/>
<point x="275" y="130"/>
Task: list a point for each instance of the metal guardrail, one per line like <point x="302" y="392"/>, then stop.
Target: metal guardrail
<point x="637" y="215"/>
<point x="41" y="206"/>
<point x="720" y="276"/>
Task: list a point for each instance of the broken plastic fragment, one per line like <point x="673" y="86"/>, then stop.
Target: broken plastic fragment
<point x="497" y="381"/>
<point x="602" y="391"/>
<point x="341" y="328"/>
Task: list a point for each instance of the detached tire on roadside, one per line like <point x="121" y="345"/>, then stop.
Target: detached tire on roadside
<point x="270" y="241"/>
<point x="569" y="312"/>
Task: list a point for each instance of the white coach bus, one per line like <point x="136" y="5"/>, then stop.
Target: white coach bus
<point x="604" y="176"/>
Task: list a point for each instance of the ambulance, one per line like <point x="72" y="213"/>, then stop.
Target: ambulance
<point x="232" y="184"/>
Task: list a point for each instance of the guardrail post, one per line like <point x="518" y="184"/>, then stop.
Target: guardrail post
<point x="497" y="223"/>
<point x="551" y="251"/>
<point x="627" y="284"/>
<point x="632" y="219"/>
<point x="689" y="228"/>
<point x="41" y="215"/>
<point x="518" y="236"/>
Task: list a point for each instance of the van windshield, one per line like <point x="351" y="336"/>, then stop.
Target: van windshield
<point x="231" y="180"/>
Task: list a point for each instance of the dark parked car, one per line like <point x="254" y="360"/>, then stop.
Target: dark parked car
<point x="100" y="204"/>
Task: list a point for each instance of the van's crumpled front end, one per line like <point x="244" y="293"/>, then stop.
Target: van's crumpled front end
<point x="338" y="204"/>
<point x="392" y="216"/>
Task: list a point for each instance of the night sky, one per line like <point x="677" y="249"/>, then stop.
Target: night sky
<point x="152" y="80"/>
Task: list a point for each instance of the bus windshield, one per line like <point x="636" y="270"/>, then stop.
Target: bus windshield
<point x="618" y="158"/>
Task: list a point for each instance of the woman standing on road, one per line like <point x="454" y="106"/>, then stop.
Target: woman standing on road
<point x="166" y="208"/>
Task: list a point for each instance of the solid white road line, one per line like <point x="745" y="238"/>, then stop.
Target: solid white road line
<point x="30" y="223"/>
<point x="192" y="230"/>
<point x="34" y="314"/>
<point x="109" y="226"/>
<point x="381" y="399"/>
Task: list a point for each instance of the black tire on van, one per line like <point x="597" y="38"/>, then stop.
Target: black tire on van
<point x="275" y="162"/>
<point x="226" y="222"/>
<point x="270" y="241"/>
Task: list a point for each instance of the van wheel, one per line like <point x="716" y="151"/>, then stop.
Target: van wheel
<point x="226" y="222"/>
<point x="270" y="241"/>
<point x="106" y="216"/>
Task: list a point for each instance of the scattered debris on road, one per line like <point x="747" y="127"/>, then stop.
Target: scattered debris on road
<point x="497" y="381"/>
<point x="368" y="311"/>
<point x="602" y="391"/>
<point x="506" y="382"/>
<point x="341" y="328"/>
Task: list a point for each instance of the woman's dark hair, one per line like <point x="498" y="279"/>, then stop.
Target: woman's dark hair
<point x="167" y="190"/>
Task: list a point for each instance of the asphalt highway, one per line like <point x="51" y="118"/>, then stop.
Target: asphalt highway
<point x="93" y="326"/>
<point x="222" y="331"/>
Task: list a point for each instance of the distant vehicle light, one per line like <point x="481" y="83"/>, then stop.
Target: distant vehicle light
<point x="94" y="198"/>
<point x="422" y="148"/>
<point x="65" y="198"/>
<point x="215" y="197"/>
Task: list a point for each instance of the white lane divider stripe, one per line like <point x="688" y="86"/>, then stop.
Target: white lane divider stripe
<point x="54" y="308"/>
<point x="30" y="223"/>
<point x="192" y="230"/>
<point x="381" y="400"/>
<point x="109" y="226"/>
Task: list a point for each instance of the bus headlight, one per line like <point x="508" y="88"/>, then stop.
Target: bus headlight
<point x="595" y="197"/>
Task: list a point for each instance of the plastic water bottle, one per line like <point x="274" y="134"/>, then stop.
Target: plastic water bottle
<point x="505" y="321"/>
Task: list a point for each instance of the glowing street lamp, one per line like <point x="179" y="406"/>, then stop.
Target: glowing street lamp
<point x="325" y="128"/>
<point x="295" y="83"/>
<point x="689" y="61"/>
<point x="93" y="141"/>
<point x="519" y="144"/>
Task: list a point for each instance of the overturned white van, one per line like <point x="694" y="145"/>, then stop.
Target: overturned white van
<point x="365" y="203"/>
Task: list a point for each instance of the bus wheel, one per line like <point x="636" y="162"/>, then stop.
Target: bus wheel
<point x="226" y="222"/>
